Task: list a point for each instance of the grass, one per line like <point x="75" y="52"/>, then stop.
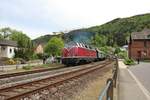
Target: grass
<point x="27" y="67"/>
<point x="53" y="65"/>
<point x="128" y="61"/>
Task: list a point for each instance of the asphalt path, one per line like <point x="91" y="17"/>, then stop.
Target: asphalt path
<point x="142" y="73"/>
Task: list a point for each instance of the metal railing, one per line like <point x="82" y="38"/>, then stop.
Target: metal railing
<point x="107" y="93"/>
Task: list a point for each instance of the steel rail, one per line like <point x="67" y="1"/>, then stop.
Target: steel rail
<point x="62" y="77"/>
<point x="8" y="75"/>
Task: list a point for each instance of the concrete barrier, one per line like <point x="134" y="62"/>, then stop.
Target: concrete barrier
<point x="17" y="66"/>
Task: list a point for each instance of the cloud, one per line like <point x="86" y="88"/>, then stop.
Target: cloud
<point x="38" y="17"/>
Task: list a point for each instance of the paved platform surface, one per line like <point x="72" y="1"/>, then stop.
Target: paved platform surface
<point x="129" y="87"/>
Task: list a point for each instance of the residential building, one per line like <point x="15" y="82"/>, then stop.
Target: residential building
<point x="139" y="45"/>
<point x="7" y="48"/>
<point x="39" y="49"/>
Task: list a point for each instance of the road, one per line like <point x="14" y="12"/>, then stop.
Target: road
<point x="142" y="72"/>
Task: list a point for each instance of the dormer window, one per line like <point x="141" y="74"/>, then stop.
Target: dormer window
<point x="148" y="36"/>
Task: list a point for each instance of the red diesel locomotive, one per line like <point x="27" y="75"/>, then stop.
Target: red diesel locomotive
<point x="78" y="53"/>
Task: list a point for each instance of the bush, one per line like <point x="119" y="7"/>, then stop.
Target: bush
<point x="27" y="67"/>
<point x="35" y="56"/>
<point x="128" y="61"/>
<point x="25" y="54"/>
<point x="117" y="50"/>
<point x="20" y="61"/>
<point x="122" y="54"/>
<point x="10" y="62"/>
<point x="40" y="55"/>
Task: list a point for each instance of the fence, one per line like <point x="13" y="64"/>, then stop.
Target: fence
<point x="107" y="93"/>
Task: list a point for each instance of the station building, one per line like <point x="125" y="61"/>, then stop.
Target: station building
<point x="139" y="45"/>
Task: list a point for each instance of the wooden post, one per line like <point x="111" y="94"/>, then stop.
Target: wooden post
<point x="109" y="95"/>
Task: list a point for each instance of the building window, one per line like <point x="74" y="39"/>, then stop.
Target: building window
<point x="10" y="50"/>
<point x="148" y="36"/>
<point x="3" y="48"/>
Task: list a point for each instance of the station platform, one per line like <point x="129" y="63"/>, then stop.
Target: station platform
<point x="129" y="88"/>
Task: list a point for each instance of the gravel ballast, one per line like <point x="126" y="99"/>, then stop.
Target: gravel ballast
<point x="87" y="87"/>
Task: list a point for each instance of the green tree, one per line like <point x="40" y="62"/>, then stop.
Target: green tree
<point x="1" y="36"/>
<point x="5" y="32"/>
<point x="22" y="39"/>
<point x="25" y="47"/>
<point x="54" y="46"/>
<point x="99" y="40"/>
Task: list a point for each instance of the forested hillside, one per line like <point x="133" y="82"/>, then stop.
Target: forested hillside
<point x="115" y="32"/>
<point x="44" y="39"/>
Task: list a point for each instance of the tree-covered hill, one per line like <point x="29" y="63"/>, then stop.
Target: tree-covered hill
<point x="44" y="39"/>
<point x="116" y="31"/>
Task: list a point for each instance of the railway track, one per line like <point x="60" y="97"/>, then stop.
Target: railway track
<point x="22" y="77"/>
<point x="8" y="75"/>
<point x="27" y="89"/>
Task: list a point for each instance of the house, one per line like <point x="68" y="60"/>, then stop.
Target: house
<point x="7" y="48"/>
<point x="39" y="49"/>
<point x="139" y="45"/>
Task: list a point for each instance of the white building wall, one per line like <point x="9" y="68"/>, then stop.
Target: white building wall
<point x="7" y="51"/>
<point x="10" y="52"/>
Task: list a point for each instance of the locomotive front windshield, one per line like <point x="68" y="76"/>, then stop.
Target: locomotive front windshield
<point x="76" y="44"/>
<point x="71" y="44"/>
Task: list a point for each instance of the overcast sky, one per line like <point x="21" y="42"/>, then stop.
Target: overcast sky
<point x="39" y="17"/>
